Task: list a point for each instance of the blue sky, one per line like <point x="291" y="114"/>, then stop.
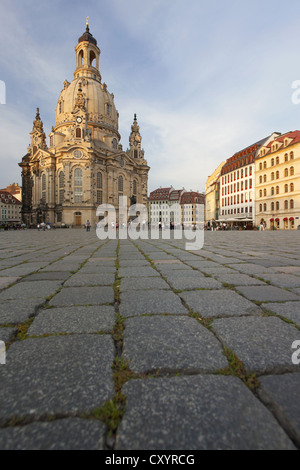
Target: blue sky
<point x="205" y="78"/>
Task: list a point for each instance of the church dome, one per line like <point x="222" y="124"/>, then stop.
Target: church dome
<point x="98" y="102"/>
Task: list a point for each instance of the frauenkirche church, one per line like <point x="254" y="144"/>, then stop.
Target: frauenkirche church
<point x="84" y="165"/>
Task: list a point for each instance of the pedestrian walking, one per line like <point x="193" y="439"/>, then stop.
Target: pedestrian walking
<point x="88" y="226"/>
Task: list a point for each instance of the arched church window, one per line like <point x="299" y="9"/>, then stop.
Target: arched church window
<point x="99" y="180"/>
<point x="92" y="58"/>
<point x="61" y="184"/>
<point x="78" y="185"/>
<point x="44" y="187"/>
<point x="135" y="154"/>
<point x="78" y="133"/>
<point x="44" y="182"/>
<point x="120" y="183"/>
<point x="134" y="187"/>
<point x="80" y="58"/>
<point x="114" y="143"/>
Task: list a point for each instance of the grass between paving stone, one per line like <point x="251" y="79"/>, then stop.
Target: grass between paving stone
<point x="237" y="369"/>
<point x="270" y="313"/>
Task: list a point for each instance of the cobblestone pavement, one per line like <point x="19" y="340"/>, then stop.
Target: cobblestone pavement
<point x="124" y="345"/>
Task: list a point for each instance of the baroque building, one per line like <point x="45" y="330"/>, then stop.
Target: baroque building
<point x="84" y="164"/>
<point x="237" y="186"/>
<point x="278" y="182"/>
<point x="212" y="195"/>
<point x="173" y="207"/>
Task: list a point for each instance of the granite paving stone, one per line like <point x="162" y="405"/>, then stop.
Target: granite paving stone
<point x="142" y="283"/>
<point x="267" y="293"/>
<point x="289" y="310"/>
<point x="47" y="276"/>
<point x="153" y="301"/>
<point x="21" y="290"/>
<point x="282" y="392"/>
<point x="97" y="269"/>
<point x="95" y="279"/>
<point x="6" y="334"/>
<point x="194" y="413"/>
<point x="197" y="282"/>
<point x="18" y="311"/>
<point x="281" y="280"/>
<point x="239" y="279"/>
<point x="55" y="375"/>
<point x="72" y="335"/>
<point x="263" y="344"/>
<point x="62" y="434"/>
<point x="74" y="320"/>
<point x="83" y="296"/>
<point x="250" y="268"/>
<point x="137" y="271"/>
<point x="216" y="303"/>
<point x="190" y="348"/>
<point x="7" y="281"/>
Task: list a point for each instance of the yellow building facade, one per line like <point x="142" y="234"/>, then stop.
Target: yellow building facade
<point x="212" y="195"/>
<point x="277" y="194"/>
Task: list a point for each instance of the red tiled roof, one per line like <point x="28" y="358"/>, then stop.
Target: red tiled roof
<point x="294" y="135"/>
<point x="8" y="198"/>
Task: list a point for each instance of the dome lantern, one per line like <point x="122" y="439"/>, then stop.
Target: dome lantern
<point x="87" y="56"/>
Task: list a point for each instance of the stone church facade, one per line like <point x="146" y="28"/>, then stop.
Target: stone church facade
<point x="84" y="164"/>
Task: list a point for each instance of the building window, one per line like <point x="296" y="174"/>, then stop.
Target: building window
<point x="292" y="204"/>
<point x="277" y="205"/>
<point x="286" y="188"/>
<point x="277" y="189"/>
<point x="120" y="184"/>
<point x="99" y="197"/>
<point x="260" y="193"/>
<point x="272" y="176"/>
<point x="292" y="171"/>
<point x="265" y="207"/>
<point x="44" y="185"/>
<point x="286" y="204"/>
<point x="134" y="187"/>
<point x="99" y="180"/>
<point x="78" y="133"/>
<point x="292" y="187"/>
<point x="277" y="160"/>
<point x="272" y="162"/>
<point x="114" y="143"/>
<point x="78" y="185"/>
<point x="286" y="157"/>
<point x="61" y="186"/>
<point x="286" y="172"/>
<point x="272" y="206"/>
<point x="265" y="164"/>
<point x="265" y="192"/>
<point x="260" y="180"/>
<point x="277" y="175"/>
<point x="292" y="156"/>
<point x="260" y="207"/>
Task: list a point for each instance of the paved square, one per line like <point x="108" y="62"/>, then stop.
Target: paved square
<point x="123" y="345"/>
